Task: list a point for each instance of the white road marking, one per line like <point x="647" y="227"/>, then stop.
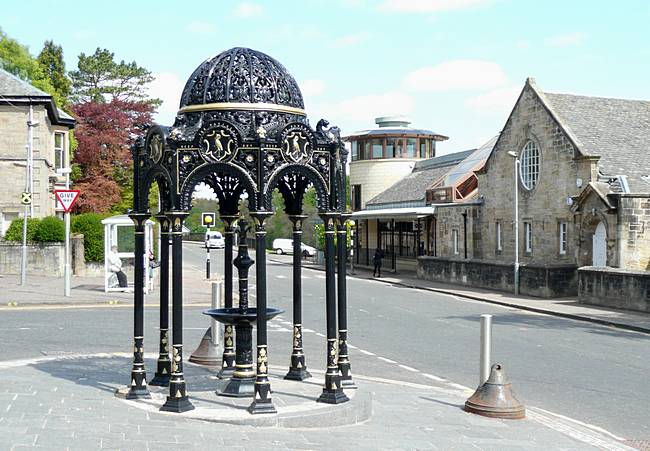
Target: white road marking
<point x="280" y="277"/>
<point x="363" y="351"/>
<point x="432" y="377"/>
<point x="386" y="360"/>
<point x="352" y="346"/>
<point x="307" y="330"/>
<point x="364" y="311"/>
<point x="319" y="334"/>
<point x="409" y="368"/>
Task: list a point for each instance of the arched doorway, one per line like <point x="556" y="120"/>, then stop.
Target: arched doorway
<point x="599" y="246"/>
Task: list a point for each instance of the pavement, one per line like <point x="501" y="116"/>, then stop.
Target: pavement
<point x="68" y="403"/>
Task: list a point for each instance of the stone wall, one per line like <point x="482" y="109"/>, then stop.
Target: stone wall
<point x="534" y="280"/>
<point x="43" y="259"/>
<point x="546" y="205"/>
<point x="613" y="287"/>
<point x="634" y="214"/>
<point x="449" y="219"/>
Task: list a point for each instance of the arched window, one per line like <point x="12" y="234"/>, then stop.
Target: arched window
<point x="530" y="165"/>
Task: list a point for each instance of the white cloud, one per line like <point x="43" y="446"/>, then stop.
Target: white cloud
<point x="428" y="6"/>
<point x="200" y="27"/>
<point x="456" y="75"/>
<point x="246" y="9"/>
<point x="564" y="40"/>
<point x="499" y="100"/>
<point x="352" y="39"/>
<point x="167" y="86"/>
<point x="312" y="88"/>
<point x="522" y="44"/>
<point x="366" y="107"/>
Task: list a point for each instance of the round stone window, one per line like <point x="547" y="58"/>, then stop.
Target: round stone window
<point x="529" y="165"/>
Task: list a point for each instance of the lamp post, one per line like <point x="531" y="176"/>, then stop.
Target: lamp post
<point x="516" y="173"/>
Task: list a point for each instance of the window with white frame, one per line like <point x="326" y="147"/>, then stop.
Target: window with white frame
<point x="499" y="243"/>
<point x="528" y="237"/>
<point x="59" y="150"/>
<point x="454" y="235"/>
<point x="529" y="165"/>
<point x="563" y="238"/>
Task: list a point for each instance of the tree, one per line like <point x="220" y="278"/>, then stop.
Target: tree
<point x="100" y="79"/>
<point x="16" y="59"/>
<point x="51" y="62"/>
<point x="103" y="163"/>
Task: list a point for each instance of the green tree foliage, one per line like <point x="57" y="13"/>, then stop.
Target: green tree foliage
<point x="99" y="78"/>
<point x="90" y="225"/>
<point x="15" y="230"/>
<point x="51" y="61"/>
<point x="16" y="59"/>
<point x="50" y="229"/>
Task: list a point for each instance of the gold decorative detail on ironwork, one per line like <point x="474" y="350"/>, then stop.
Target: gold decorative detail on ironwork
<point x="296" y="146"/>
<point x="244" y="107"/>
<point x="218" y="144"/>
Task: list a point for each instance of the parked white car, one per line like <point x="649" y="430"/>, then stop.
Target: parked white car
<point x="285" y="246"/>
<point x="214" y="240"/>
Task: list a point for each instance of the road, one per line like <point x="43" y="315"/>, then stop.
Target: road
<point x="588" y="372"/>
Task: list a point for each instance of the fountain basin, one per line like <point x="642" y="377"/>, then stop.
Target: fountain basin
<point x="238" y="315"/>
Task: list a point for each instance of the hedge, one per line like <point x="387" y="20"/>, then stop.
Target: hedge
<point x="50" y="229"/>
<point x="15" y="230"/>
<point x="90" y="224"/>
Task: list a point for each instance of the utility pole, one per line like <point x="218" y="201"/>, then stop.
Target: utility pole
<point x="516" y="195"/>
<point x="29" y="207"/>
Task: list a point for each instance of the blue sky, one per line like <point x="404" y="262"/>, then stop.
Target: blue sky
<point x="453" y="66"/>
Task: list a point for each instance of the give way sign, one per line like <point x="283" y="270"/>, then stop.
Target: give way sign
<point x="67" y="198"/>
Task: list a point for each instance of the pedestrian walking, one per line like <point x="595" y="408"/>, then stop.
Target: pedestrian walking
<point x="376" y="260"/>
<point x="115" y="265"/>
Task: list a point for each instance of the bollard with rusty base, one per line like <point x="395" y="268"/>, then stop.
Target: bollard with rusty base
<point x="495" y="398"/>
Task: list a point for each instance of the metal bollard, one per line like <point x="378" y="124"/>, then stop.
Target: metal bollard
<point x="217" y="328"/>
<point x="486" y="348"/>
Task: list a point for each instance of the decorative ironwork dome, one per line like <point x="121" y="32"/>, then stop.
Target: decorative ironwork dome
<point x="241" y="79"/>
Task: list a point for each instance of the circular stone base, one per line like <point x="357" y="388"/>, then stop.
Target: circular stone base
<point x="295" y="402"/>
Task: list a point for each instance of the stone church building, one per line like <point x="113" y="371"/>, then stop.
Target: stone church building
<point x="583" y="182"/>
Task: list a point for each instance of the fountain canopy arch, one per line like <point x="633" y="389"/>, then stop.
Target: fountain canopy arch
<point x="241" y="116"/>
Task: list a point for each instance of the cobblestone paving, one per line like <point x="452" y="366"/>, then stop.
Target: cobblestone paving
<point x="59" y="404"/>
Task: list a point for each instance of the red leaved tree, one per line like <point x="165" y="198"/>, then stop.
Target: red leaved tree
<point x="105" y="132"/>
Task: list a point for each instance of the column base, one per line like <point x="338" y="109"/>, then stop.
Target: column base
<point x="163" y="374"/>
<point x="177" y="405"/>
<point x="261" y="407"/>
<point x="346" y="376"/>
<point x="239" y="387"/>
<point x="138" y="393"/>
<point x="297" y="374"/>
<point x="226" y="373"/>
<point x="333" y="396"/>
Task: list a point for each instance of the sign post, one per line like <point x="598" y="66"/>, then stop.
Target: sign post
<point x="207" y="221"/>
<point x="66" y="198"/>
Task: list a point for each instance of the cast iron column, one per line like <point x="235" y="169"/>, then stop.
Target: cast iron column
<point x="163" y="371"/>
<point x="342" y="252"/>
<point x="177" y="401"/>
<point x="332" y="391"/>
<point x="297" y="369"/>
<point x="242" y="382"/>
<point x="262" y="402"/>
<point x="138" y="387"/>
<point x="228" y="357"/>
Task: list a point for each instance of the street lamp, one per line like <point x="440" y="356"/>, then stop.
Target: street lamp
<point x="516" y="157"/>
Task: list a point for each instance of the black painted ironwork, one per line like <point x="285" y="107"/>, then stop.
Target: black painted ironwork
<point x="298" y="368"/>
<point x="342" y="297"/>
<point x="228" y="356"/>
<point x="138" y="388"/>
<point x="177" y="400"/>
<point x="164" y="364"/>
<point x="332" y="391"/>
<point x="242" y="130"/>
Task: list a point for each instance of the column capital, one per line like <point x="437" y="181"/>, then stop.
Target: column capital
<point x="177" y="218"/>
<point x="228" y="219"/>
<point x="139" y="219"/>
<point x="164" y="221"/>
<point x="260" y="217"/>
<point x="329" y="219"/>
<point x="297" y="221"/>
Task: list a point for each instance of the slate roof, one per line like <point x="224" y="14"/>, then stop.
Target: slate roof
<point x="12" y="86"/>
<point x="412" y="188"/>
<point x="617" y="130"/>
<point x="15" y="91"/>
